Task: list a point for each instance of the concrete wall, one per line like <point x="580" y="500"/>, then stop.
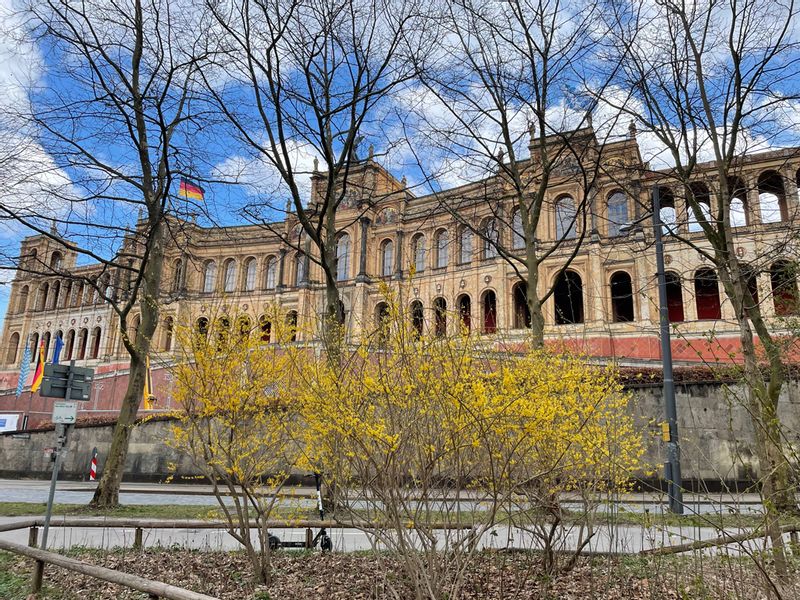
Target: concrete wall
<point x="716" y="438"/>
<point x="149" y="458"/>
<point x="715" y="428"/>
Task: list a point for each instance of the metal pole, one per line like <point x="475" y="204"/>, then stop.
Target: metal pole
<point x="672" y="467"/>
<point x="62" y="431"/>
<point x="61" y="441"/>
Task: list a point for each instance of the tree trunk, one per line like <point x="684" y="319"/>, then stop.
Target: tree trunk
<point x="107" y="493"/>
<point x="762" y="398"/>
<point x="534" y="302"/>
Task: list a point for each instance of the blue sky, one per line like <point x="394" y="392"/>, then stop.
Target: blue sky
<point x="405" y="131"/>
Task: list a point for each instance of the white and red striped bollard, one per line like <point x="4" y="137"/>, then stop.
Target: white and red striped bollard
<point x="93" y="467"/>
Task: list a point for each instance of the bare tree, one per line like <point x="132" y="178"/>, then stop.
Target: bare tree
<point x="710" y="82"/>
<point x="112" y="122"/>
<point x="506" y="74"/>
<point x="305" y="82"/>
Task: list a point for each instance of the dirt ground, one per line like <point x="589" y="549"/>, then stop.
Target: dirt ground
<point x="493" y="576"/>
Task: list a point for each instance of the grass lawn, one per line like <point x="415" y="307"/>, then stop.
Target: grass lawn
<point x="212" y="512"/>
<point x="149" y="511"/>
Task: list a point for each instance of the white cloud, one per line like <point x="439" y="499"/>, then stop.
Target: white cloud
<point x="259" y="176"/>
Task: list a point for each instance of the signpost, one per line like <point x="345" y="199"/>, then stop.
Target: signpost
<point x="72" y="384"/>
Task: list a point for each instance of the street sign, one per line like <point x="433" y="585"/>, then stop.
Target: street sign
<point x="59" y="377"/>
<point x="65" y="412"/>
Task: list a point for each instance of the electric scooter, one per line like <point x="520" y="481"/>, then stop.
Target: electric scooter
<point x="322" y="538"/>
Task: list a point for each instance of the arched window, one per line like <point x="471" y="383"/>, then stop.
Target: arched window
<point x="418" y="250"/>
<point x="737" y="208"/>
<point x="34" y="348"/>
<point x="343" y="258"/>
<point x="169" y="327"/>
<point x="465" y="312"/>
<point x="83" y="339"/>
<point x="272" y="273"/>
<point x="442" y="241"/>
<point x="266" y="328"/>
<point x="177" y="275"/>
<point x="491" y="238"/>
<point x="56" y="260"/>
<point x="783" y="276"/>
<point x="417" y="318"/>
<point x="381" y="315"/>
<point x="209" y="277"/>
<point x="229" y="274"/>
<point x="667" y="213"/>
<point x="706" y="294"/>
<point x="291" y="324"/>
<point x="46" y="344"/>
<point x="96" y="335"/>
<point x="772" y="197"/>
<point x="440" y="316"/>
<point x="201" y="326"/>
<point x="622" y="297"/>
<point x="568" y="297"/>
<point x="387" y="258"/>
<point x="522" y="314"/>
<point x="517" y="231"/>
<point x="41" y="297"/>
<point x="489" y="306"/>
<point x="13" y="346"/>
<point x="565" y="218"/>
<point x="32" y="259"/>
<point x="22" y="303"/>
<point x="674" y="297"/>
<point x="702" y="197"/>
<point x="465" y="246"/>
<point x="617" y="212"/>
<point x="69" y="345"/>
<point x="299" y="269"/>
<point x="250" y="267"/>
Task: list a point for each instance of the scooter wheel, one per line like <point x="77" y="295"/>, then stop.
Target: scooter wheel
<point x="325" y="543"/>
<point x="274" y="542"/>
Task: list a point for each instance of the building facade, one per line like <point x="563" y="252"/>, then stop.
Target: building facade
<point x="442" y="248"/>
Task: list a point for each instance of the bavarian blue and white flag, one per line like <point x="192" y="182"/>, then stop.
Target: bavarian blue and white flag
<point x="24" y="368"/>
<point x="59" y="344"/>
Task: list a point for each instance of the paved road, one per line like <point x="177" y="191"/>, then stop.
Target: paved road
<point x="71" y="492"/>
<point x="625" y="539"/>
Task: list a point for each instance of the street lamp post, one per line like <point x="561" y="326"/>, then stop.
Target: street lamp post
<point x="672" y="465"/>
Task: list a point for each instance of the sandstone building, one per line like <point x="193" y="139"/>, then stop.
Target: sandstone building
<point x="605" y="303"/>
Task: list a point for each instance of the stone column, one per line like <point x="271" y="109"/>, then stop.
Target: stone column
<point x="753" y="208"/>
<point x="304" y="281"/>
<point x="281" y="268"/>
<point x="398" y="256"/>
<point x="790" y="189"/>
<point x="362" y="259"/>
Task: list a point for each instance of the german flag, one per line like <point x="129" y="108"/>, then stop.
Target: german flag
<point x="190" y="190"/>
<point x="38" y="374"/>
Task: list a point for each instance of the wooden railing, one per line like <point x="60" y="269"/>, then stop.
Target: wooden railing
<point x="155" y="589"/>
